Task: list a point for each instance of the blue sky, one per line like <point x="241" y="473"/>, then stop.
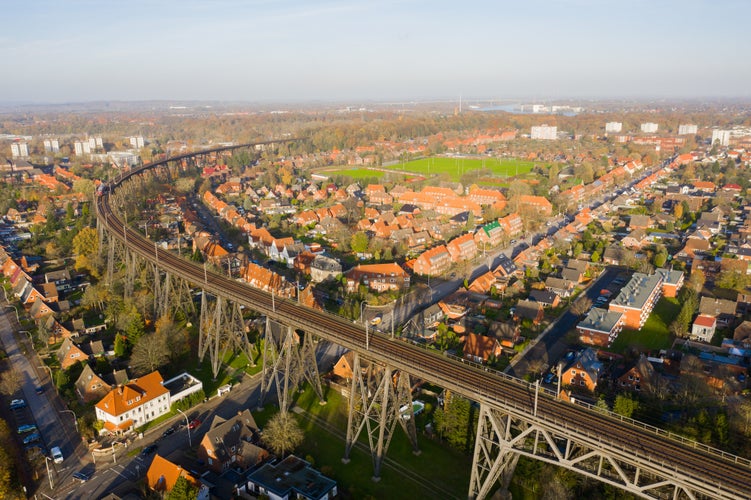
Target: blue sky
<point x="284" y="50"/>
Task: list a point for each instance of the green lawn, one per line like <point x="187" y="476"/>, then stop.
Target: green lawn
<point x="655" y="334"/>
<point x="447" y="469"/>
<point x="456" y="167"/>
<point x="356" y="173"/>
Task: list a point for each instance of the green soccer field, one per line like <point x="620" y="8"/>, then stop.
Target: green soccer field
<point x="355" y="173"/>
<point x="456" y="167"/>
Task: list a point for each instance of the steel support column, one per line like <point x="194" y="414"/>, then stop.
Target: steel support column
<point x="288" y="359"/>
<point x="376" y="396"/>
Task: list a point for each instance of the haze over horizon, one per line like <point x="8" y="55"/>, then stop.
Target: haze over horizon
<point x="233" y="50"/>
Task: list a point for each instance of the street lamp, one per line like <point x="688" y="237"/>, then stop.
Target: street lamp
<point x="14" y="310"/>
<point x="187" y="426"/>
<point x="75" y="419"/>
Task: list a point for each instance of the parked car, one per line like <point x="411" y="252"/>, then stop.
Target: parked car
<point x="17" y="403"/>
<point x="549" y="378"/>
<point x="31" y="438"/>
<point x="39" y="389"/>
<point x="169" y="431"/>
<point x="57" y="454"/>
<point x="148" y="450"/>
<point x="81" y="476"/>
<point x="23" y="429"/>
<point x="194" y="423"/>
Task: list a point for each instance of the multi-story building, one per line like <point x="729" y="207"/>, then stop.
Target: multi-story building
<point x="378" y="277"/>
<point x="613" y="127"/>
<point x="537" y="203"/>
<point x="584" y="371"/>
<point x="133" y="404"/>
<point x="51" y="145"/>
<point x="81" y="148"/>
<point x="433" y="262"/>
<point x="544" y="132"/>
<point x="637" y="299"/>
<point x="462" y="248"/>
<point x="649" y="127"/>
<point x="672" y="281"/>
<point x="721" y="137"/>
<point x="512" y="224"/>
<point x="687" y="129"/>
<point x="489" y="235"/>
<point x="600" y="327"/>
<point x="19" y="149"/>
<point x="137" y="142"/>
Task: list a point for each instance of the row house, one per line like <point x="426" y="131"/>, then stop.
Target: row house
<point x="538" y="204"/>
<point x="512" y="224"/>
<point x="438" y="193"/>
<point x="637" y="299"/>
<point x="433" y="262"/>
<point x="134" y="404"/>
<point x="600" y="327"/>
<point x="722" y="309"/>
<point x="462" y="248"/>
<point x="454" y="206"/>
<point x="486" y="196"/>
<point x="377" y="277"/>
<point x="489" y="235"/>
<point x="267" y="280"/>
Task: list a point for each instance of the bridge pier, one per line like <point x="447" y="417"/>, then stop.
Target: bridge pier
<point x="377" y="393"/>
<point x="221" y="328"/>
<point x="288" y="359"/>
<point x="494" y="458"/>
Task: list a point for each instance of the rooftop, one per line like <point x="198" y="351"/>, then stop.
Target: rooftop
<point x="600" y="320"/>
<point x="638" y="290"/>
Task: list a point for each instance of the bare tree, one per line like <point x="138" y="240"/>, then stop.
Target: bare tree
<point x="282" y="433"/>
<point x="150" y="352"/>
<point x="10" y="382"/>
<point x="581" y="305"/>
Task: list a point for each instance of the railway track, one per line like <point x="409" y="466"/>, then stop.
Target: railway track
<point x="637" y="443"/>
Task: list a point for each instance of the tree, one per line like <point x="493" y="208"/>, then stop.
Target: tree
<point x="453" y="421"/>
<point x="182" y="490"/>
<point x="10" y="382"/>
<point x="697" y="279"/>
<point x="84" y="186"/>
<point x="121" y="345"/>
<point x="282" y="433"/>
<point x="359" y="243"/>
<point x="151" y="351"/>
<point x="86" y="242"/>
<point x="625" y="405"/>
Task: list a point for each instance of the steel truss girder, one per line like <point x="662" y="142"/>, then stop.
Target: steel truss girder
<point x="288" y="359"/>
<point x="376" y="395"/>
<point x="221" y="328"/>
<point x="502" y="437"/>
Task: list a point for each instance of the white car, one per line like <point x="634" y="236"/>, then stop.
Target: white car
<point x="57" y="454"/>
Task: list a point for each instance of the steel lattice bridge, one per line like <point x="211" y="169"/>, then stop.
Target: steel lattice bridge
<point x="515" y="418"/>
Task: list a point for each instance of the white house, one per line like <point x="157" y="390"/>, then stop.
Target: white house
<point x="133" y="404"/>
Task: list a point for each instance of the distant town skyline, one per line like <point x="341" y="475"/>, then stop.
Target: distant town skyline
<point x="233" y="50"/>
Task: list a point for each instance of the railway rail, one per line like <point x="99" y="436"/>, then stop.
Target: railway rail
<point x="637" y="443"/>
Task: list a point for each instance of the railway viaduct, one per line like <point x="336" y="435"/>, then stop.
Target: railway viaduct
<point x="515" y="418"/>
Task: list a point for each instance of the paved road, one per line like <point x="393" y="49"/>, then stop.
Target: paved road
<point x="108" y="475"/>
<point x="551" y="347"/>
<point x="56" y="429"/>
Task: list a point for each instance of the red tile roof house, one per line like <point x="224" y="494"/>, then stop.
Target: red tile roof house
<point x="462" y="248"/>
<point x="479" y="348"/>
<point x="378" y="277"/>
<point x="433" y="262"/>
<point x="137" y="402"/>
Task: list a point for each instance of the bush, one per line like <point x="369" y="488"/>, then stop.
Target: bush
<point x="189" y="402"/>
